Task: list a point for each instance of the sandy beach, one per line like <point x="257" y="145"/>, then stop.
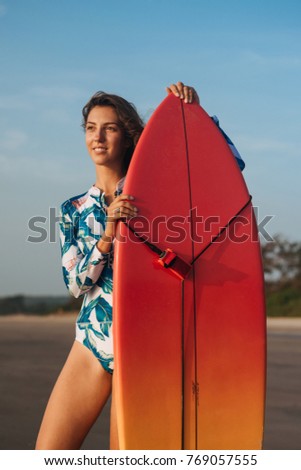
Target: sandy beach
<point x="33" y="350"/>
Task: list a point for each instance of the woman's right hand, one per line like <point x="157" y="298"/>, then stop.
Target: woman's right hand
<point x="184" y="92"/>
<point x="120" y="208"/>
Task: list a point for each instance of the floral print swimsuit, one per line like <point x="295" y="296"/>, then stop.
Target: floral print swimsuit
<point x="89" y="272"/>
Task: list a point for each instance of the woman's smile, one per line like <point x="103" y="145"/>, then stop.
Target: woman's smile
<point x="100" y="149"/>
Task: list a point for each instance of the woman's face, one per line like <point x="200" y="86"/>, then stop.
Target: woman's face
<point x="105" y="138"/>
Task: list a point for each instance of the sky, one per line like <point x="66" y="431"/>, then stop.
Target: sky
<point x="242" y="56"/>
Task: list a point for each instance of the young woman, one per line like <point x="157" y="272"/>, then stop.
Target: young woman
<point x="88" y="224"/>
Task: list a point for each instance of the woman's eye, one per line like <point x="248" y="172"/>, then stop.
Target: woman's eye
<point x="111" y="128"/>
<point x="89" y="128"/>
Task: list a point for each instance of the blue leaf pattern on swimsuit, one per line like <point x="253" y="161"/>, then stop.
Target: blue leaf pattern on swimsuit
<point x="92" y="341"/>
<point x="65" y="275"/>
<point x="106" y="280"/>
<point x="85" y="312"/>
<point x="103" y="310"/>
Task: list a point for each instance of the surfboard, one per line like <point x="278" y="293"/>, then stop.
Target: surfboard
<point x="189" y="311"/>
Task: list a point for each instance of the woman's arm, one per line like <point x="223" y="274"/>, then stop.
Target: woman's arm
<point x="232" y="147"/>
<point x="80" y="271"/>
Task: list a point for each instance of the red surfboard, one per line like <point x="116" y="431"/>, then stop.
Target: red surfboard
<point x="189" y="311"/>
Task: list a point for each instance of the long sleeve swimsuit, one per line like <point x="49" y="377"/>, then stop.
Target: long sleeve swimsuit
<point x="88" y="272"/>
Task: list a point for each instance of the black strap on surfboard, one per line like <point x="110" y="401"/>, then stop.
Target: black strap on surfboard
<point x="222" y="230"/>
<point x="144" y="240"/>
<point x="167" y="258"/>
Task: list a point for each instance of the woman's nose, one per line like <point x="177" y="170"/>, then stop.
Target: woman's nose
<point x="100" y="135"/>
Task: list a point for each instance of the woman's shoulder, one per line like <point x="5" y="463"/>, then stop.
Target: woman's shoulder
<point x="73" y="204"/>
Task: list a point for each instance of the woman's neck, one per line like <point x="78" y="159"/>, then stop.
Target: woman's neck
<point x="107" y="179"/>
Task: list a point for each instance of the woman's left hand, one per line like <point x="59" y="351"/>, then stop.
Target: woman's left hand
<point x="184" y="92"/>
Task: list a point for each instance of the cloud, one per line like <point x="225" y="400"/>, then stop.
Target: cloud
<point x="264" y="150"/>
<point x="14" y="140"/>
<point x="16" y="102"/>
<point x="34" y="169"/>
<point x="35" y="96"/>
<point x="3" y="10"/>
<point x="57" y="93"/>
<point x="270" y="145"/>
<point x="272" y="61"/>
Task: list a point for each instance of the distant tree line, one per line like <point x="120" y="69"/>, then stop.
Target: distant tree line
<point x="282" y="268"/>
<point x="37" y="305"/>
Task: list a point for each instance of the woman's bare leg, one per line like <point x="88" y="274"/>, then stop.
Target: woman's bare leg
<point x="77" y="399"/>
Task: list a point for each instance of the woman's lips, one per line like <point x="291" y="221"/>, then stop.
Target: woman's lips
<point x="99" y="149"/>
